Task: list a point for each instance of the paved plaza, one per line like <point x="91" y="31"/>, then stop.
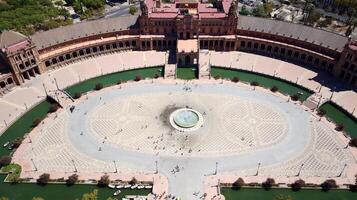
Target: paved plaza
<point x="245" y="132"/>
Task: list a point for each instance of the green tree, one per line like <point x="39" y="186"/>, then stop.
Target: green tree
<point x="77" y="7"/>
<point x="5" y="160"/>
<point x="59" y="3"/>
<point x="104" y="181"/>
<point x="43" y="179"/>
<point x="4" y="198"/>
<point x="244" y="10"/>
<point x="93" y="4"/>
<point x="328" y="184"/>
<point x="259" y="11"/>
<point x="132" y="10"/>
<point x="268" y="7"/>
<point x="72" y="180"/>
<point x="91" y="195"/>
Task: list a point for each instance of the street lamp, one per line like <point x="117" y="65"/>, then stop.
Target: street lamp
<point x="115" y="166"/>
<point x="343" y="169"/>
<point x="34" y="164"/>
<point x="216" y="168"/>
<point x="56" y="83"/>
<point x="156" y="167"/>
<point x="300" y="169"/>
<point x="258" y="169"/>
<point x="75" y="168"/>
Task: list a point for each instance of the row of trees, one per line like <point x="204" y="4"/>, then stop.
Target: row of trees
<point x="104" y="181"/>
<point x="296" y="186"/>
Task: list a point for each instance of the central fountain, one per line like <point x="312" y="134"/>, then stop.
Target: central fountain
<point x="186" y="120"/>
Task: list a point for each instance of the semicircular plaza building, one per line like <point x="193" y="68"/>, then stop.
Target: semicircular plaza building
<point x="183" y="29"/>
<point x="145" y="126"/>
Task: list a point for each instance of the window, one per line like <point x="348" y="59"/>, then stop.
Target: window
<point x="282" y="51"/>
<point x="61" y="58"/>
<point x="249" y="45"/>
<point x="309" y="58"/>
<point x="10" y="81"/>
<point x="47" y="63"/>
<point x="317" y="61"/>
<point x="303" y="56"/>
<point x="232" y="44"/>
<point x="269" y="48"/>
<point x="324" y="63"/>
<point x="262" y="46"/>
<point x="242" y="43"/>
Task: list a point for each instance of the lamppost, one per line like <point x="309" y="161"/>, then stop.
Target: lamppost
<point x="56" y="83"/>
<point x="115" y="166"/>
<point x="258" y="169"/>
<point x="156" y="167"/>
<point x="216" y="171"/>
<point x="34" y="164"/>
<point x="75" y="168"/>
<point x="343" y="169"/>
<point x="298" y="174"/>
<point x="331" y="95"/>
<point x="44" y="87"/>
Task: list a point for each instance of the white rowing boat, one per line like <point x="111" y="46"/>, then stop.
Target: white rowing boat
<point x="5" y="145"/>
<point x="117" y="192"/>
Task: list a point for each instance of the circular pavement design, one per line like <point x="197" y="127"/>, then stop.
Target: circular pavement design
<point x="241" y="128"/>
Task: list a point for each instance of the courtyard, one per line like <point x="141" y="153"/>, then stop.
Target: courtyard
<point x="125" y="129"/>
